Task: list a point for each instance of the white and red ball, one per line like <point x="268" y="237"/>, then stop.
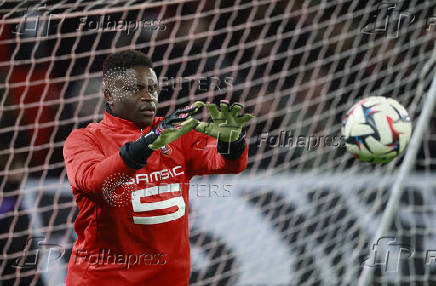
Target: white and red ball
<point x="376" y="129"/>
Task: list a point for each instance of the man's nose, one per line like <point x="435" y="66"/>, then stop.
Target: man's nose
<point x="146" y="96"/>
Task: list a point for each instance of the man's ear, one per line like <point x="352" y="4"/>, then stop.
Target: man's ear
<point x="108" y="97"/>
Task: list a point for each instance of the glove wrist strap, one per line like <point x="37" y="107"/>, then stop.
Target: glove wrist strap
<point x="135" y="154"/>
<point x="232" y="150"/>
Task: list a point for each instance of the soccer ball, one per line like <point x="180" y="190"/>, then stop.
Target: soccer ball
<point x="376" y="129"/>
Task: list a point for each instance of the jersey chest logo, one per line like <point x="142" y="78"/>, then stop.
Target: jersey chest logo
<point x="166" y="149"/>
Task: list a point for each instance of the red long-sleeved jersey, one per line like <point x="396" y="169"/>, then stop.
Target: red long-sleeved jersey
<point x="143" y="240"/>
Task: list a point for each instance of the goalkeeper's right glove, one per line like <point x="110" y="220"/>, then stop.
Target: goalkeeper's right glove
<point x="170" y="128"/>
<point x="135" y="154"/>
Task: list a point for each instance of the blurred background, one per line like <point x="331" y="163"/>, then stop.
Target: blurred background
<point x="296" y="216"/>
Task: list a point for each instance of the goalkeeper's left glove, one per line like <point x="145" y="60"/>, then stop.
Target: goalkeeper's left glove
<point x="227" y="124"/>
<point x="227" y="128"/>
<point x="135" y="154"/>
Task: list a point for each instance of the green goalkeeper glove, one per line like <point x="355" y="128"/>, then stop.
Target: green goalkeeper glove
<point x="171" y="127"/>
<point x="135" y="154"/>
<point x="227" y="124"/>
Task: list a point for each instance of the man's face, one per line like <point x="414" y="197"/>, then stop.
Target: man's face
<point x="133" y="94"/>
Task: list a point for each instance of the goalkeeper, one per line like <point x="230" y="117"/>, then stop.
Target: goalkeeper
<point x="140" y="236"/>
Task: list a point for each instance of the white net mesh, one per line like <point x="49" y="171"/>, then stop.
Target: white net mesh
<point x="298" y="215"/>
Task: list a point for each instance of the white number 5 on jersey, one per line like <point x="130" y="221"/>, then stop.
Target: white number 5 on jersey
<point x="142" y="207"/>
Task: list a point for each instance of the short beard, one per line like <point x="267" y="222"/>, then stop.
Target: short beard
<point x="108" y="109"/>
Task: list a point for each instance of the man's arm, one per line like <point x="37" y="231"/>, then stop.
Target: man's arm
<point x="87" y="167"/>
<point x="204" y="155"/>
<point x="219" y="146"/>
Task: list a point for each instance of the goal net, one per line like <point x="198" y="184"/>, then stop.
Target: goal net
<point x="305" y="212"/>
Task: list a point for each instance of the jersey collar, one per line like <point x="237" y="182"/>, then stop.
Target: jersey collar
<point x="120" y="123"/>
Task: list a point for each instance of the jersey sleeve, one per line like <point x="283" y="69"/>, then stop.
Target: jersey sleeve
<point x="87" y="167"/>
<point x="203" y="158"/>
